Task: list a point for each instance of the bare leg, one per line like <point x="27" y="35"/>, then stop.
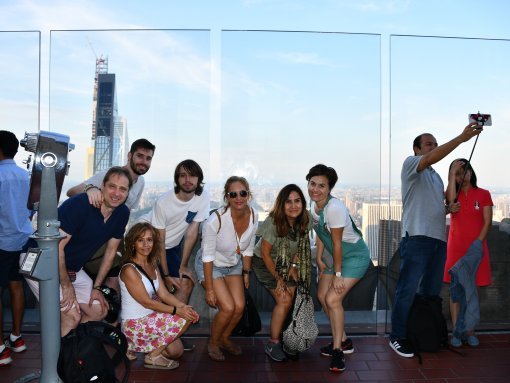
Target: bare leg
<point x="235" y="286"/>
<point x="17" y="305"/>
<point x="334" y="301"/>
<point x="185" y="291"/>
<point x="281" y="309"/>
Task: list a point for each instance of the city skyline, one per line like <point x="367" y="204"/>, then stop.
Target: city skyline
<point x="246" y="94"/>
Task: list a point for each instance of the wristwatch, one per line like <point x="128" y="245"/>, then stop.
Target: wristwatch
<point x="90" y="186"/>
<point x="338" y="274"/>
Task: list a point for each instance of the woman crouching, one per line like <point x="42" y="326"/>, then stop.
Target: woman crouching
<point x="152" y="318"/>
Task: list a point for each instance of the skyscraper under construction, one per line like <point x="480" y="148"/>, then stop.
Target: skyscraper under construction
<point x="109" y="144"/>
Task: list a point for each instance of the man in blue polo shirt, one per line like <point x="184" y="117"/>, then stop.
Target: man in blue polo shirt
<point x="15" y="227"/>
<point x="87" y="228"/>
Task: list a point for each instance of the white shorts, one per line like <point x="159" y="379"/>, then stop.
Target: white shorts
<point x="82" y="287"/>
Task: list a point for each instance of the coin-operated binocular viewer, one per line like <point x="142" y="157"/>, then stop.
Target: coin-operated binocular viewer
<point x="48" y="170"/>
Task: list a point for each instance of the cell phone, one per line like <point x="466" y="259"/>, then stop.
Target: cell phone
<point x="481" y="119"/>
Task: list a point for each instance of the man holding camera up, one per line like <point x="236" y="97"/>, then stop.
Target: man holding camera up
<point x="423" y="246"/>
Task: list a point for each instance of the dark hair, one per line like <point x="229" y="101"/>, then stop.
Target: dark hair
<point x="417" y="140"/>
<point x="229" y="182"/>
<point x="133" y="235"/>
<point x="142" y="143"/>
<point x="8" y="144"/>
<point x="466" y="166"/>
<point x="192" y="168"/>
<point x="323" y="170"/>
<point x="117" y="170"/>
<point x="278" y="211"/>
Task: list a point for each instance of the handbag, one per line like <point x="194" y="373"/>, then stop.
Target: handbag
<point x="302" y="330"/>
<point x="250" y="323"/>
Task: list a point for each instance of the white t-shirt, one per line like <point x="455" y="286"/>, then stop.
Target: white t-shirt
<point x="336" y="215"/>
<point x="174" y="215"/>
<point x="135" y="192"/>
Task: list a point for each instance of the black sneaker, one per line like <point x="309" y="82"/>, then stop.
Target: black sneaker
<point x="347" y="348"/>
<point x="402" y="348"/>
<point x="275" y="352"/>
<point x="337" y="361"/>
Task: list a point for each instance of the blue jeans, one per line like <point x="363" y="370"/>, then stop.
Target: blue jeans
<point x="421" y="270"/>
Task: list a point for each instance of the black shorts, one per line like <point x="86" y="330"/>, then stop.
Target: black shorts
<point x="9" y="267"/>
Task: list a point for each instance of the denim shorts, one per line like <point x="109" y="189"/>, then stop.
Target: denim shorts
<point x="218" y="271"/>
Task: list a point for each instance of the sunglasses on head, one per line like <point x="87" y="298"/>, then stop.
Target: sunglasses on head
<point x="242" y="193"/>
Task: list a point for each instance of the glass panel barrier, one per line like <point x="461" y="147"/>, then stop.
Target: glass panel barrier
<point x="435" y="83"/>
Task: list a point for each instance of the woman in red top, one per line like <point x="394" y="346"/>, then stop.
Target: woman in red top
<point x="472" y="222"/>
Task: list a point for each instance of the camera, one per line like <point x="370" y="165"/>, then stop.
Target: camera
<point x="481" y="119"/>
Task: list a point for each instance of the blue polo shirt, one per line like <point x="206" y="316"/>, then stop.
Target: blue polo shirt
<point x="89" y="232"/>
<point x="15" y="225"/>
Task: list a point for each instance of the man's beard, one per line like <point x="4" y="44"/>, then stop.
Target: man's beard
<point x="132" y="165"/>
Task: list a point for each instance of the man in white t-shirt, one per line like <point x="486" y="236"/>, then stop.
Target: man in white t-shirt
<point x="177" y="215"/>
<point x="139" y="162"/>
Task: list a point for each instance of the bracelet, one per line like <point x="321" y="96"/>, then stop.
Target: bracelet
<point x="246" y="271"/>
<point x="294" y="265"/>
<point x="166" y="275"/>
<point x="98" y="288"/>
<point x="174" y="310"/>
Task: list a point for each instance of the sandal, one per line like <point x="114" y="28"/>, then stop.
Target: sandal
<point x="215" y="355"/>
<point x="232" y="349"/>
<point x="159" y="362"/>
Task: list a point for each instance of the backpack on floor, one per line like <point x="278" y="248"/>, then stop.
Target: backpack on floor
<point x="426" y="325"/>
<point x="84" y="358"/>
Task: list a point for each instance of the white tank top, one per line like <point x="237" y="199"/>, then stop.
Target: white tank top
<point x="130" y="308"/>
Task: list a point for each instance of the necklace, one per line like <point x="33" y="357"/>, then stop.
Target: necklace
<point x="238" y="249"/>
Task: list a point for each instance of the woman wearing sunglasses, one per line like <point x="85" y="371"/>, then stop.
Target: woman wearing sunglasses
<point x="282" y="260"/>
<point x="223" y="263"/>
<point x="345" y="262"/>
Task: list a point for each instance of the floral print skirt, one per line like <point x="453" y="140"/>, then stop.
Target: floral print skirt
<point x="152" y="331"/>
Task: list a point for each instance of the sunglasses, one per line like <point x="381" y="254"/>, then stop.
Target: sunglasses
<point x="242" y="194"/>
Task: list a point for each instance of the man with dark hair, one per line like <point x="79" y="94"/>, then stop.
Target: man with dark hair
<point x="86" y="228"/>
<point x="139" y="163"/>
<point x="177" y="215"/>
<point x="15" y="227"/>
<point x="423" y="246"/>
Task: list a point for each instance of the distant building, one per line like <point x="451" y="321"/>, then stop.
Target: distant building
<point x="373" y="214"/>
<point x="109" y="139"/>
<point x="106" y="112"/>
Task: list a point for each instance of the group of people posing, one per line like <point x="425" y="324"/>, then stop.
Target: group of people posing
<point x="154" y="277"/>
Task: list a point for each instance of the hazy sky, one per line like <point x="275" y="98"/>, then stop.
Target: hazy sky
<point x="331" y="82"/>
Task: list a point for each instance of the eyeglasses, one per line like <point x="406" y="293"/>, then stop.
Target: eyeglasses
<point x="242" y="194"/>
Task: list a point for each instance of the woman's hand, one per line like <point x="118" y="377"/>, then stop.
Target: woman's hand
<point x="210" y="298"/>
<point x="246" y="279"/>
<point x="338" y="284"/>
<point x="187" y="312"/>
<point x="281" y="286"/>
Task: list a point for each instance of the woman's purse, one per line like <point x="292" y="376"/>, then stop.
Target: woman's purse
<point x="250" y="323"/>
<point x="302" y="331"/>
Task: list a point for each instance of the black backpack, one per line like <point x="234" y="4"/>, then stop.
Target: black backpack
<point x="426" y="325"/>
<point x="84" y="358"/>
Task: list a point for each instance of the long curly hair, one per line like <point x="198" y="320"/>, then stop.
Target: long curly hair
<point x="136" y="232"/>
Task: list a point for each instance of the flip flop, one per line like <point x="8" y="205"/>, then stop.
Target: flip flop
<point x="215" y="355"/>
<point x="159" y="362"/>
